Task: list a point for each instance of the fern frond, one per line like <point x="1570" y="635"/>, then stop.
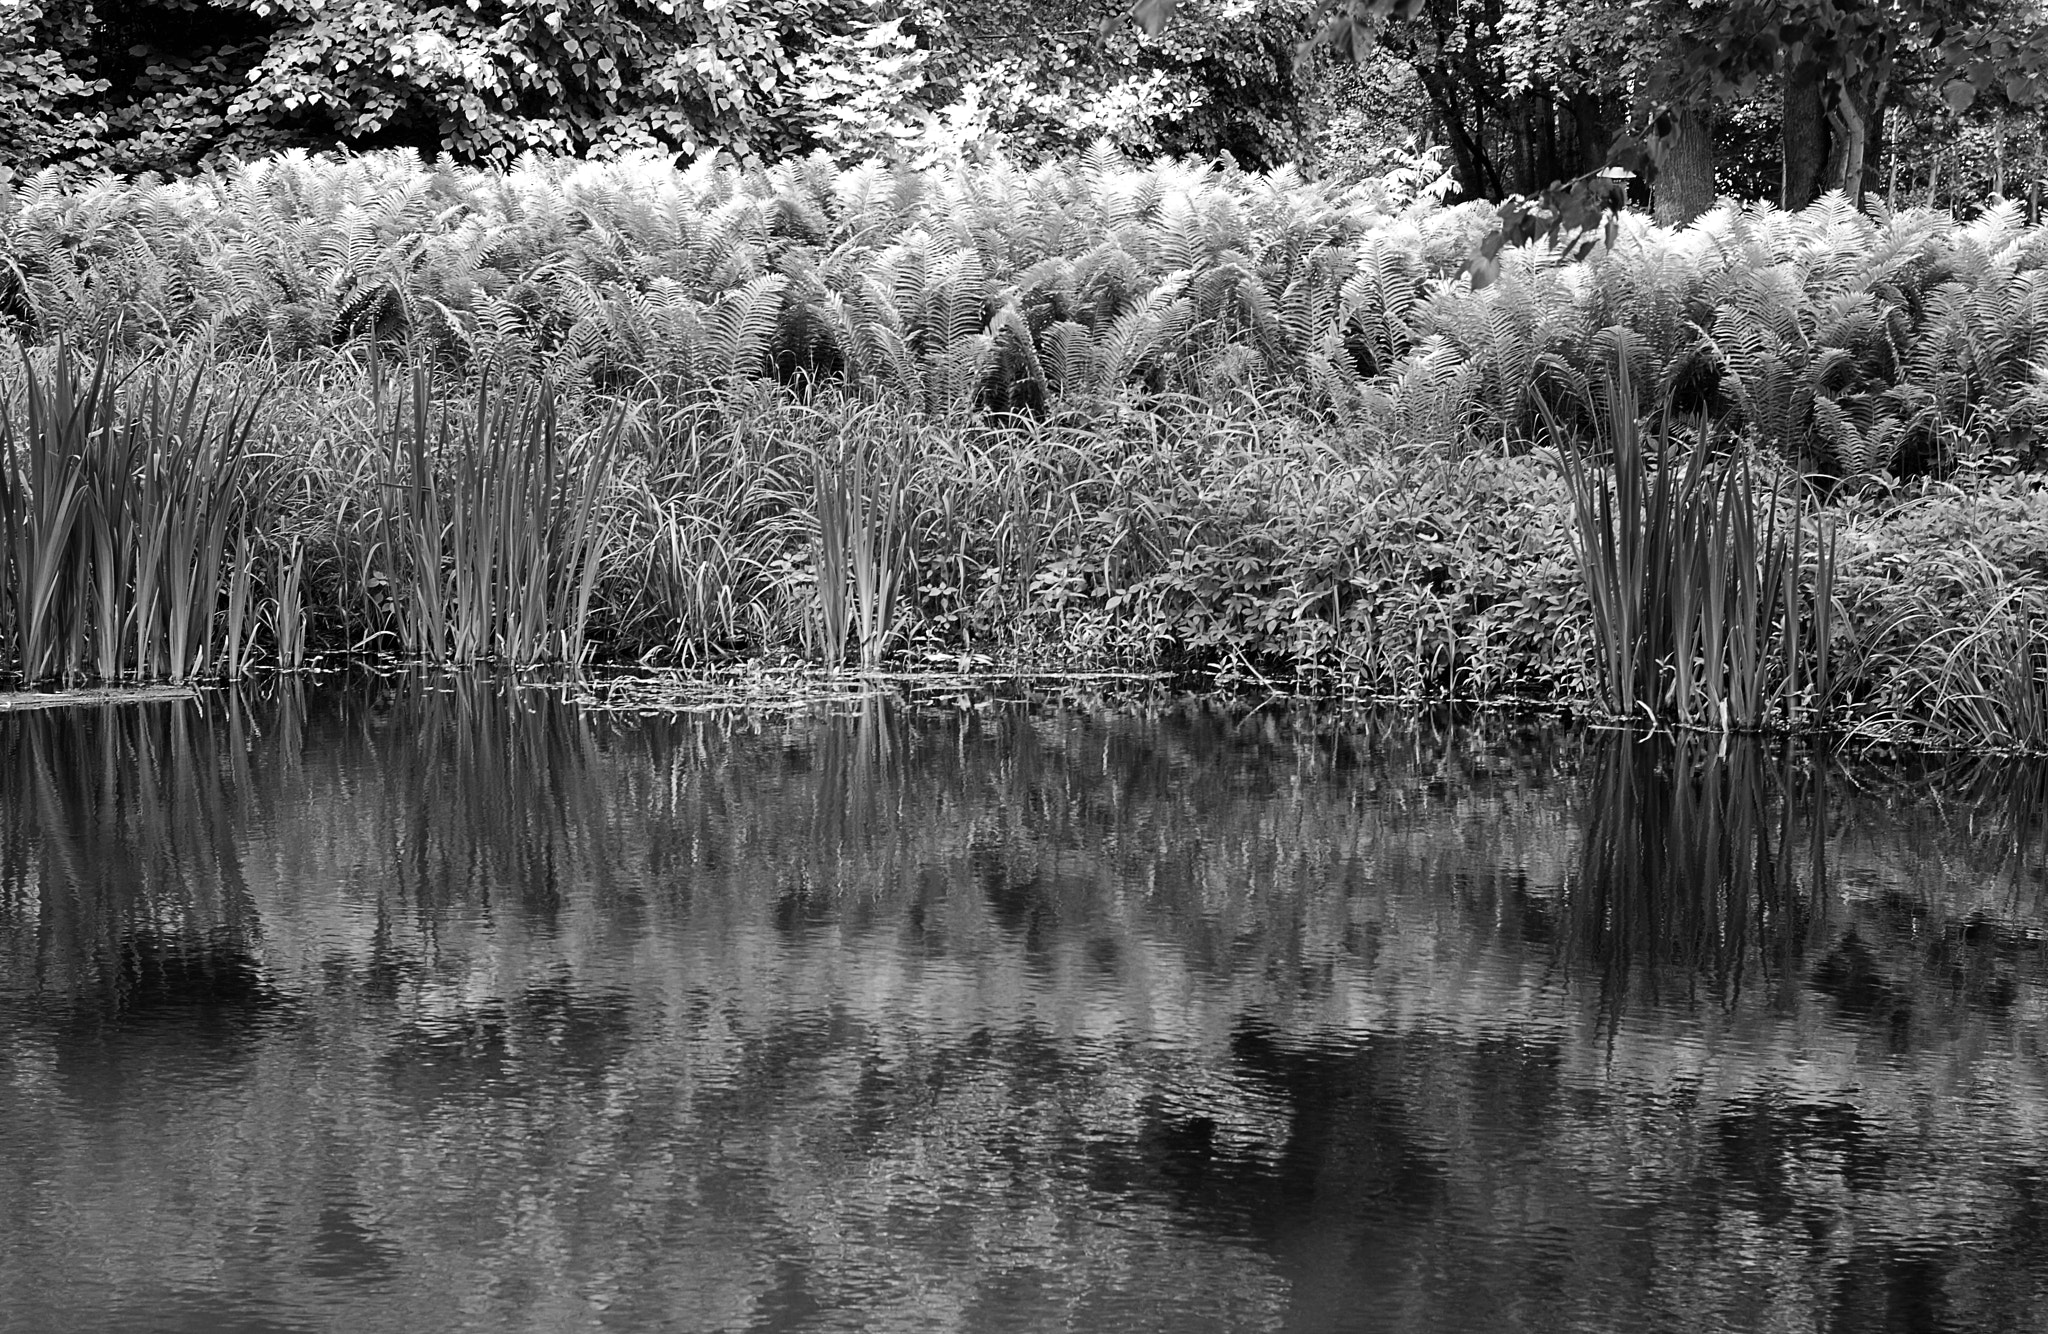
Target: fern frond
<point x="743" y="325"/>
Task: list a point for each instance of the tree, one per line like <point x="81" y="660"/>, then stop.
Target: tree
<point x="163" y="85"/>
<point x="1840" y="63"/>
<point x="1050" y="76"/>
<point x="171" y="81"/>
<point x="488" y="79"/>
<point x="1519" y="99"/>
<point x="44" y="102"/>
<point x="1837" y="64"/>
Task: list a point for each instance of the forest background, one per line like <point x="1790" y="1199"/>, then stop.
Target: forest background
<point x="1930" y="102"/>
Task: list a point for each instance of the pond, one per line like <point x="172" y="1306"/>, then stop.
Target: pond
<point x="445" y="1004"/>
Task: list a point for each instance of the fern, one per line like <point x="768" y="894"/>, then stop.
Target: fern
<point x="1016" y="358"/>
<point x="1070" y="357"/>
<point x="1855" y="434"/>
<point x="889" y="359"/>
<point x="742" y="328"/>
<point x="955" y="298"/>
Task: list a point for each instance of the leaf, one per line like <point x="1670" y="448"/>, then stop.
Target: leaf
<point x="1959" y="94"/>
<point x="1153" y="15"/>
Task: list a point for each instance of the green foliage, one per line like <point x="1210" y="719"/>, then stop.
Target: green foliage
<point x="1035" y="78"/>
<point x="1944" y="594"/>
<point x="492" y="80"/>
<point x="1387" y="571"/>
<point x="165" y="85"/>
<point x="125" y="516"/>
<point x="1237" y="425"/>
<point x="864" y="92"/>
<point x="1849" y="342"/>
<point x="44" y="111"/>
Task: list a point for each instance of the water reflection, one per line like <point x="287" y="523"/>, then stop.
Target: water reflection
<point x="443" y="1004"/>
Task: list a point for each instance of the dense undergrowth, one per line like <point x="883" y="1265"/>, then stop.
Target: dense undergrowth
<point x="1770" y="471"/>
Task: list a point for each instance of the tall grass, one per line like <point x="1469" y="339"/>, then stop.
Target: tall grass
<point x="147" y="535"/>
<point x="1698" y="580"/>
<point x="1976" y="682"/>
<point x="125" y="512"/>
<point x="864" y="552"/>
<point x="491" y="535"/>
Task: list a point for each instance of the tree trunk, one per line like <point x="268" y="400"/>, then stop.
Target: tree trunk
<point x="1805" y="135"/>
<point x="1478" y="178"/>
<point x="1593" y="122"/>
<point x="1852" y="114"/>
<point x="1891" y="162"/>
<point x="1684" y="187"/>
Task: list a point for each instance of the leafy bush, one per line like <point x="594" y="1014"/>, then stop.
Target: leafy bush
<point x="42" y="111"/>
<point x="1944" y="591"/>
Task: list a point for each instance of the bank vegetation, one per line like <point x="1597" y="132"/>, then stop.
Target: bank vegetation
<point x="1774" y="470"/>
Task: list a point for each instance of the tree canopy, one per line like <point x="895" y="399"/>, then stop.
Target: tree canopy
<point x="1779" y="99"/>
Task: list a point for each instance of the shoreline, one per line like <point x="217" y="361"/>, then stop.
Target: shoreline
<point x="24" y="701"/>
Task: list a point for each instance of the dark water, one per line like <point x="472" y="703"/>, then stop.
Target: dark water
<point x="418" y="1009"/>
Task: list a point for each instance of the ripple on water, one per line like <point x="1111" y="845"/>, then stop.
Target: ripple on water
<point x="454" y="1011"/>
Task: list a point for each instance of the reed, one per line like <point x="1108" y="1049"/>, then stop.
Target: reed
<point x="286" y="609"/>
<point x="491" y="537"/>
<point x="43" y="489"/>
<point x="116" y="505"/>
<point x="864" y="551"/>
<point x="1712" y="605"/>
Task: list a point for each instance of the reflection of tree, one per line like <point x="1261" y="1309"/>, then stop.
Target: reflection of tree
<point x="1194" y="1016"/>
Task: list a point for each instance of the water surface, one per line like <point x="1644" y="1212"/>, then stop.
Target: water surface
<point x="433" y="1005"/>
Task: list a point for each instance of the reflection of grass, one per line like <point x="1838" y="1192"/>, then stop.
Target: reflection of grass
<point x="1992" y="810"/>
<point x="14" y="701"/>
<point x="121" y="822"/>
<point x="1696" y="856"/>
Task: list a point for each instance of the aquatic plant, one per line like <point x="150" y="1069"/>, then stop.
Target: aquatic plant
<point x="490" y="539"/>
<point x="1697" y="579"/>
<point x="863" y="553"/>
<point x="117" y="503"/>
